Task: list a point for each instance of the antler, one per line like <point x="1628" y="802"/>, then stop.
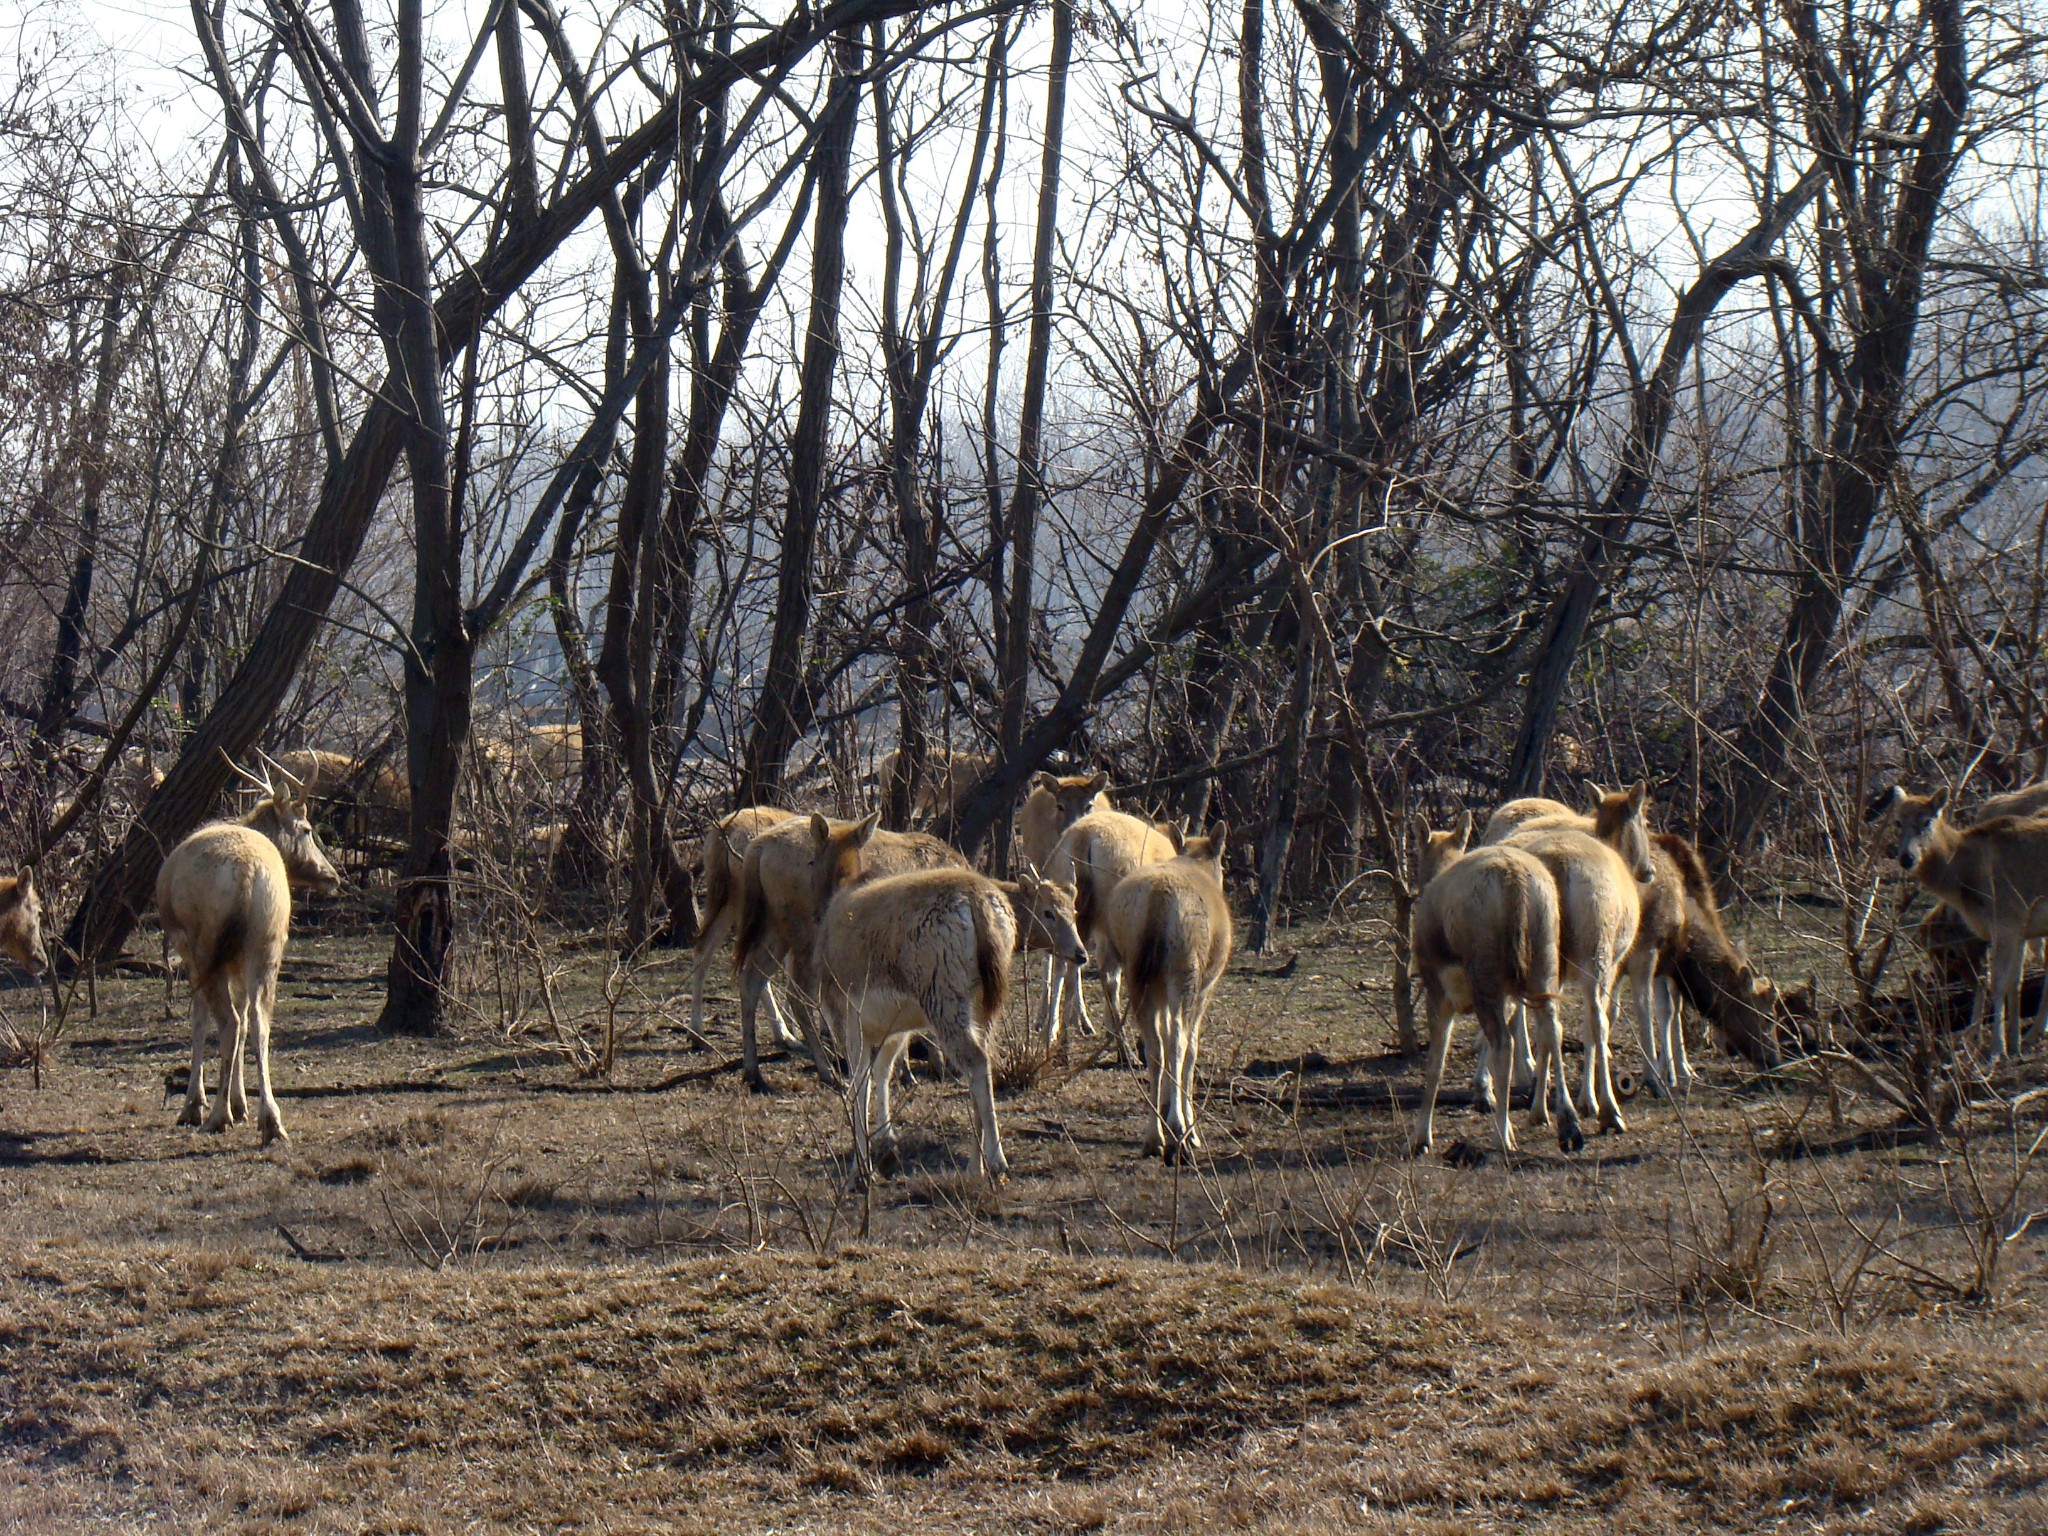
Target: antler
<point x="297" y="788"/>
<point x="263" y="784"/>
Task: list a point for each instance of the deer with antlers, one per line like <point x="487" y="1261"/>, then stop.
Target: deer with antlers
<point x="224" y="898"/>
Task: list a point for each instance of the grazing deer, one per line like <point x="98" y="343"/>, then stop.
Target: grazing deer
<point x="789" y="876"/>
<point x="1713" y="974"/>
<point x="1995" y="874"/>
<point x="21" y="922"/>
<point x="224" y="899"/>
<point x="1485" y="936"/>
<point x="724" y="853"/>
<point x="929" y="952"/>
<point x="1169" y="929"/>
<point x="1093" y="856"/>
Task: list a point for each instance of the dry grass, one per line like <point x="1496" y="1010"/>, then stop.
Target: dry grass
<point x="517" y="1302"/>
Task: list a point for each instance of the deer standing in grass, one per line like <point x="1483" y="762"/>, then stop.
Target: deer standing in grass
<point x="1485" y="936"/>
<point x="1095" y="855"/>
<point x="724" y="855"/>
<point x="929" y="952"/>
<point x="788" y="878"/>
<point x="1617" y="820"/>
<point x="224" y="898"/>
<point x="1170" y="932"/>
<point x="1055" y="803"/>
<point x="1995" y="875"/>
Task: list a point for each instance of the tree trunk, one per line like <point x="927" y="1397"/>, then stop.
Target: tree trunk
<point x="783" y="710"/>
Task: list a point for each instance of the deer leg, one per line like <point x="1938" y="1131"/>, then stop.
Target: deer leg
<point x="1642" y="980"/>
<point x="1190" y="1057"/>
<point x="195" y="1081"/>
<point x="220" y="1003"/>
<point x="753" y="980"/>
<point x="967" y="1049"/>
<point x="1549" y="1032"/>
<point x="243" y="1001"/>
<point x="262" y="1004"/>
<point x="1493" y="1022"/>
<point x="1173" y="1043"/>
<point x="2039" y="1027"/>
<point x="859" y="1072"/>
<point x="1440" y="1028"/>
<point x="1600" y="1025"/>
<point x="1666" y="997"/>
<point x="1152" y="1026"/>
<point x="888" y="1062"/>
<point x="709" y="943"/>
<point x="2007" y="953"/>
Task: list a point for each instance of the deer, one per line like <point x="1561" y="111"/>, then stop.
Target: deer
<point x="1995" y="874"/>
<point x="1713" y="974"/>
<point x="224" y="899"/>
<point x="21" y="922"/>
<point x="1616" y="820"/>
<point x="1485" y="935"/>
<point x="1055" y="803"/>
<point x="719" y="862"/>
<point x="1094" y="855"/>
<point x="787" y="879"/>
<point x="929" y="952"/>
<point x="1599" y="909"/>
<point x="1169" y="929"/>
<point x="947" y="776"/>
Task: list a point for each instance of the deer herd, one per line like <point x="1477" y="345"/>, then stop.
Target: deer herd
<point x="877" y="937"/>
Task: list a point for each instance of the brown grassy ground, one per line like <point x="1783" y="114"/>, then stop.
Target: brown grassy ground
<point x="520" y="1301"/>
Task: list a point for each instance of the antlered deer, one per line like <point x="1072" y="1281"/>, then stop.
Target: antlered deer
<point x="1995" y="874"/>
<point x="724" y="853"/>
<point x="930" y="952"/>
<point x="224" y="898"/>
<point x="1484" y="934"/>
<point x="1169" y="928"/>
<point x="790" y="874"/>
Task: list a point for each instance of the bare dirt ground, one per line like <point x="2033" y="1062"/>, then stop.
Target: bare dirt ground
<point x="482" y="1290"/>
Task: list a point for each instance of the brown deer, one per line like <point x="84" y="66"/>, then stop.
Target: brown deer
<point x="789" y="876"/>
<point x="723" y="855"/>
<point x="224" y="898"/>
<point x="947" y="776"/>
<point x="1485" y="937"/>
<point x="21" y="922"/>
<point x="1169" y="928"/>
<point x="929" y="952"/>
<point x="1995" y="874"/>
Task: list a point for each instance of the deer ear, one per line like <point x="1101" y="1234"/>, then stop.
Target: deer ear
<point x="865" y="829"/>
<point x="1464" y="828"/>
<point x="1883" y="803"/>
<point x="1045" y="781"/>
<point x="1097" y="784"/>
<point x="1219" y="836"/>
<point x="821" y="829"/>
<point x="1938" y="799"/>
<point x="25" y="882"/>
<point x="1638" y="793"/>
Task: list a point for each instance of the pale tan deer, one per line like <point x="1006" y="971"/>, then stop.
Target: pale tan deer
<point x="1055" y="803"/>
<point x="723" y="855"/>
<point x="929" y="953"/>
<point x="21" y="922"/>
<point x="1484" y="934"/>
<point x="224" y="898"/>
<point x="1599" y="909"/>
<point x="1995" y="874"/>
<point x="789" y="876"/>
<point x="1170" y="931"/>
<point x="1093" y="855"/>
